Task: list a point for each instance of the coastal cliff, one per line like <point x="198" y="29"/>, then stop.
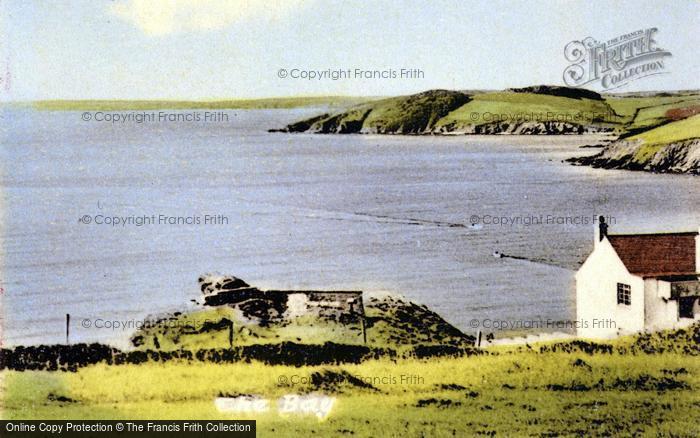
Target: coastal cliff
<point x="538" y="110"/>
<point x="415" y="114"/>
<point x="520" y="128"/>
<point x="678" y="157"/>
<point x="670" y="148"/>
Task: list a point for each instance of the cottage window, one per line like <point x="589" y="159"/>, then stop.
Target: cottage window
<point x="624" y="294"/>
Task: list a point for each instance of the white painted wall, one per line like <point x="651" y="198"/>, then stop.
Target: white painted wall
<point x="297" y="305"/>
<point x="597" y="311"/>
<point x="660" y="311"/>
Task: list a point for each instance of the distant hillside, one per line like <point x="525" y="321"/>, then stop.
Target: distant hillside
<point x="573" y="93"/>
<point x="414" y="114"/>
<point x="142" y="105"/>
<point x="660" y="133"/>
<point x="532" y="110"/>
<point x="651" y="131"/>
<point x="536" y="110"/>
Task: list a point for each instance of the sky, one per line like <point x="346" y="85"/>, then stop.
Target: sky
<point x="205" y="49"/>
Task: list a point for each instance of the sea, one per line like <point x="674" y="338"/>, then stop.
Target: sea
<point x="113" y="221"/>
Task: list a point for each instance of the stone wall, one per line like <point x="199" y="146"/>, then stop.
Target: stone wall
<point x="335" y="305"/>
<point x="274" y="305"/>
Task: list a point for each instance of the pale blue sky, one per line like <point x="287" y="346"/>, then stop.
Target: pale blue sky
<point x="226" y="49"/>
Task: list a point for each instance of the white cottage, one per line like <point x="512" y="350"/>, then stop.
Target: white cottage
<point x="638" y="282"/>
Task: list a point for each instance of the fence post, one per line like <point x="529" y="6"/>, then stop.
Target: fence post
<point x="364" y="329"/>
<point x="230" y="335"/>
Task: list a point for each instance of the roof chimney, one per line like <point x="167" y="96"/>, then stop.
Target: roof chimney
<point x="601" y="230"/>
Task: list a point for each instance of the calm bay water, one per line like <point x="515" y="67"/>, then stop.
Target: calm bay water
<point x="377" y="213"/>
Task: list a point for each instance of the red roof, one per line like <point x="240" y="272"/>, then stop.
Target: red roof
<point x="653" y="255"/>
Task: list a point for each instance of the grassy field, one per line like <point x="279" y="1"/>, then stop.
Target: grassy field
<point x="643" y="385"/>
<point x="658" y="138"/>
<point x="512" y="393"/>
<point x="645" y="112"/>
<point x="623" y="113"/>
<point x="514" y="107"/>
<point x="671" y="132"/>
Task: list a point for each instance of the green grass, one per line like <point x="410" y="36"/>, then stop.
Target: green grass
<point x="411" y="114"/>
<point x="514" y="107"/>
<point x="175" y="334"/>
<point x="140" y="105"/>
<point x="658" y="138"/>
<point x="671" y="132"/>
<point x="627" y="106"/>
<point x="653" y="128"/>
<point x="507" y="394"/>
<point x="416" y="113"/>
<point x="656" y="115"/>
<point x="444" y="111"/>
<point x="553" y="389"/>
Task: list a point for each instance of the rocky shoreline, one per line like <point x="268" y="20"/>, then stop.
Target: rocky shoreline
<point x="497" y="128"/>
<point x="677" y="157"/>
<point x="521" y="128"/>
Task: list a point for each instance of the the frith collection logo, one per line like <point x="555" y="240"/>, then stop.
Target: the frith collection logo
<point x="616" y="62"/>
